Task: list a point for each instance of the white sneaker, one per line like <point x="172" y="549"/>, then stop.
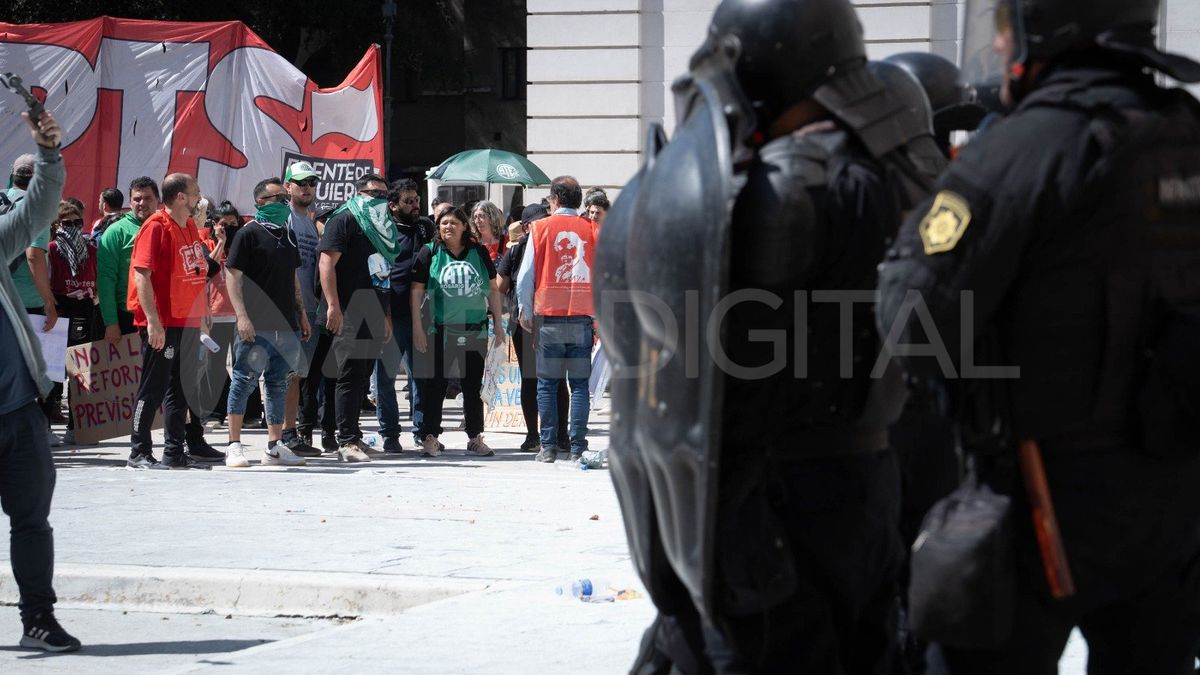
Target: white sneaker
<point x="349" y="452"/>
<point x="430" y="447"/>
<point x="477" y="447"/>
<point x="283" y="456"/>
<point x="53" y="439"/>
<point x="235" y="456"/>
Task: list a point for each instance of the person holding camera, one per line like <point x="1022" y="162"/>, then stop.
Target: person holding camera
<point x="26" y="468"/>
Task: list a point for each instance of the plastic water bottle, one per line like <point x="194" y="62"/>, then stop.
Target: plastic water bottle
<point x="587" y="590"/>
<point x="373" y="440"/>
<point x="593" y="459"/>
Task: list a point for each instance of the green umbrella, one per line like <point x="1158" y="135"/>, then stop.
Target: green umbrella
<point x="490" y="166"/>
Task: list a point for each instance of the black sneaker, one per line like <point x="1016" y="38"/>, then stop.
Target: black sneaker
<point x="141" y="462"/>
<point x="531" y="444"/>
<point x="329" y="443"/>
<point x="43" y="632"/>
<point x="392" y="446"/>
<point x="547" y="455"/>
<point x="204" y="452"/>
<point x="301" y="449"/>
<point x="182" y="462"/>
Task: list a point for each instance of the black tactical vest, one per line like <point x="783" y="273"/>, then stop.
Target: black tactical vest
<point x="1130" y="278"/>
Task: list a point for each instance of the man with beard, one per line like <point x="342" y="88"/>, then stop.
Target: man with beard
<point x="404" y="205"/>
<point x="170" y="269"/>
<point x="357" y="250"/>
<point x="112" y="289"/>
<point x="300" y="180"/>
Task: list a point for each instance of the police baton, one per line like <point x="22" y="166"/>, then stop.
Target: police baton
<point x="1045" y="523"/>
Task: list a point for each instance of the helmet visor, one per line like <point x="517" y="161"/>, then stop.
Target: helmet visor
<point x="991" y="40"/>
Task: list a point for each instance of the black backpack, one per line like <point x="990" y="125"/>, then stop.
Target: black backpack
<point x="1146" y="192"/>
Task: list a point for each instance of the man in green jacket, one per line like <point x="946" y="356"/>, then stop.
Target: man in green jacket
<point x="112" y="259"/>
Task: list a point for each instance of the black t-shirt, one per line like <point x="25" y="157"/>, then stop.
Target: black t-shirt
<point x="510" y="262"/>
<point x="412" y="236"/>
<point x="420" y="272"/>
<point x="268" y="261"/>
<point x="343" y="235"/>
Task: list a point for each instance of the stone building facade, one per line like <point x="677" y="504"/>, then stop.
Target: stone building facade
<point x="600" y="71"/>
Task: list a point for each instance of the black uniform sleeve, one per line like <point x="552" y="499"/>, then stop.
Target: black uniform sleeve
<point x="421" y="265"/>
<point x="504" y="266"/>
<point x="957" y="255"/>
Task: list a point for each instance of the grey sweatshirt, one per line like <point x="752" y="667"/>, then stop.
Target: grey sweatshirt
<point x="18" y="227"/>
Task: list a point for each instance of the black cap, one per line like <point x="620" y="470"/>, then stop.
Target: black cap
<point x="533" y="212"/>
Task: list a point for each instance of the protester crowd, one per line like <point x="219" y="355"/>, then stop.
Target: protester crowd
<point x="304" y="320"/>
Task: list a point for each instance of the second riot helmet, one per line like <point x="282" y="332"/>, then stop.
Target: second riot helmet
<point x="785" y="49"/>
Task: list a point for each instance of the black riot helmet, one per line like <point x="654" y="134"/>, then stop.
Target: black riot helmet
<point x="784" y="50"/>
<point x="908" y="91"/>
<point x="1044" y="30"/>
<point x="955" y="105"/>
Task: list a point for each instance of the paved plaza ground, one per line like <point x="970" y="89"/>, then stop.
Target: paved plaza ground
<point x="441" y="565"/>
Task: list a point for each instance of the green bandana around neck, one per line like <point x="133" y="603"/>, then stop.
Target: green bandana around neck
<point x="273" y="214"/>
<point x="375" y="221"/>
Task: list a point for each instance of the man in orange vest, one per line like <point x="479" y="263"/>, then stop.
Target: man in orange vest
<point x="554" y="286"/>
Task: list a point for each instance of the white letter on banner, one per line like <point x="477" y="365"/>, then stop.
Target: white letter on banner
<point x="149" y="74"/>
<point x="240" y="77"/>
<point x="70" y="85"/>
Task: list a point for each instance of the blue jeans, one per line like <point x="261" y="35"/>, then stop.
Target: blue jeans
<point x="564" y="351"/>
<point x="273" y="355"/>
<point x="387" y="410"/>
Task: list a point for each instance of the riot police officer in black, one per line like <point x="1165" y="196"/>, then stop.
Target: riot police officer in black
<point x="1066" y="242"/>
<point x="757" y="486"/>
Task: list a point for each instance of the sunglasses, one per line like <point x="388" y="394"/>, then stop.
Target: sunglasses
<point x="282" y="197"/>
<point x="74" y="222"/>
<point x="375" y="194"/>
<point x="307" y="182"/>
<point x="411" y="200"/>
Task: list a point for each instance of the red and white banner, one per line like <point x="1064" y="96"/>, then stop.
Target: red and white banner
<point x="148" y="98"/>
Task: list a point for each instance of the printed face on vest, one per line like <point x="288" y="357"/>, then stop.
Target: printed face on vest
<point x="572" y="259"/>
<point x="460" y="279"/>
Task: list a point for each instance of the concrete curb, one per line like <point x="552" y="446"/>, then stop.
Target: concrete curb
<point x="245" y="592"/>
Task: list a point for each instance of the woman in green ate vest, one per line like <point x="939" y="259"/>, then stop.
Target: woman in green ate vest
<point x="454" y="288"/>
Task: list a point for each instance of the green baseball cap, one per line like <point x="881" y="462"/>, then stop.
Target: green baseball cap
<point x="299" y="171"/>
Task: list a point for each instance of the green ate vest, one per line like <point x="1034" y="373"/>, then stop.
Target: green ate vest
<point x="458" y="289"/>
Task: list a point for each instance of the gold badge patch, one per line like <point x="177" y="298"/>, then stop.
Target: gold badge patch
<point x="947" y="221"/>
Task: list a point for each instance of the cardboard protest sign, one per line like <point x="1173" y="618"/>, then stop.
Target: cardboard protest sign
<point x="502" y="390"/>
<point x="103" y="381"/>
<point x="54" y="345"/>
